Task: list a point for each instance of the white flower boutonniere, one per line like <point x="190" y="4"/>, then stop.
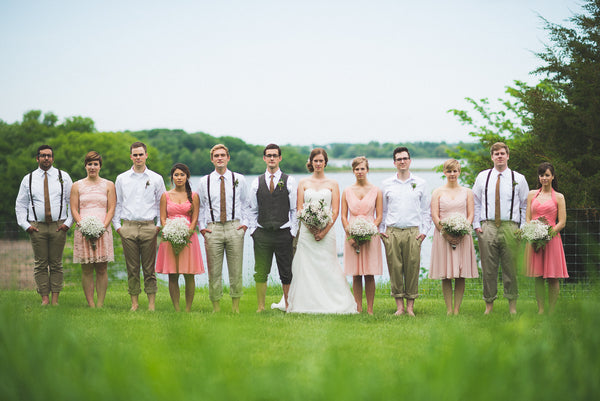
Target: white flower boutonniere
<point x="280" y="184"/>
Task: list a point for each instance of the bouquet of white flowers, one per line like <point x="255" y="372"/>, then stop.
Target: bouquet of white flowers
<point x="536" y="232"/>
<point x="361" y="230"/>
<point x="177" y="232"/>
<point x="456" y="225"/>
<point x="91" y="228"/>
<point x="315" y="215"/>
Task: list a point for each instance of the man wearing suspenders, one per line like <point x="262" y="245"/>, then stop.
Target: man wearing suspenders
<point x="42" y="210"/>
<point x="223" y="224"/>
<point x="500" y="196"/>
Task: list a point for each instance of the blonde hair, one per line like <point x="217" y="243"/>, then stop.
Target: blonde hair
<point x="217" y="147"/>
<point x="497" y="146"/>
<point x="451" y="164"/>
<point x="358" y="160"/>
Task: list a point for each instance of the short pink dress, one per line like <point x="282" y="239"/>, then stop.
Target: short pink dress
<point x="548" y="262"/>
<point x="93" y="201"/>
<point x="446" y="262"/>
<point x="368" y="261"/>
<point x="190" y="258"/>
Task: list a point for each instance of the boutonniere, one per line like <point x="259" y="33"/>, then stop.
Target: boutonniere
<point x="60" y="180"/>
<point x="514" y="184"/>
<point x="147" y="184"/>
<point x="280" y="184"/>
<point x="413" y="185"/>
<point x="236" y="183"/>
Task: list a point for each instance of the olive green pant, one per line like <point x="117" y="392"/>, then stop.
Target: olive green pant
<point x="48" y="245"/>
<point x="139" y="247"/>
<point x="403" y="254"/>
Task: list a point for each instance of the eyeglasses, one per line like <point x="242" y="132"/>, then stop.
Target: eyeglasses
<point x="45" y="156"/>
<point x="403" y="159"/>
<point x="272" y="156"/>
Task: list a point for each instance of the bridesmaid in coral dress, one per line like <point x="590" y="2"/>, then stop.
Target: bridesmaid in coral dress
<point x="180" y="202"/>
<point x="452" y="257"/>
<point x="549" y="262"/>
<point x="365" y="200"/>
<point x="93" y="196"/>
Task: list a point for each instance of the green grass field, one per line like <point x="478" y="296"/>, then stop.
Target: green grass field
<point x="72" y="352"/>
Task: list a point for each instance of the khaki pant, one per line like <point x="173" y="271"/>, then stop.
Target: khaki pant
<point x="224" y="238"/>
<point x="403" y="254"/>
<point x="498" y="246"/>
<point x="139" y="247"/>
<point x="48" y="245"/>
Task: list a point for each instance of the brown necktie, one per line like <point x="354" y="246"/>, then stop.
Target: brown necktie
<point x="223" y="205"/>
<point x="47" y="208"/>
<point x="271" y="184"/>
<point x="497" y="220"/>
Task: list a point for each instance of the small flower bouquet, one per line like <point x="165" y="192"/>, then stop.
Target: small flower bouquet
<point x="177" y="232"/>
<point x="91" y="228"/>
<point x="315" y="215"/>
<point x="361" y="230"/>
<point x="536" y="232"/>
<point x="456" y="225"/>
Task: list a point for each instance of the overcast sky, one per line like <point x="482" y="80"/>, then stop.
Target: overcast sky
<point x="299" y="72"/>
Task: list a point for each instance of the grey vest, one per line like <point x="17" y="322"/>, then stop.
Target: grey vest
<point x="273" y="208"/>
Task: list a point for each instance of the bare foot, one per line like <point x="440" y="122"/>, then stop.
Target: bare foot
<point x="151" y="308"/>
<point x="260" y="310"/>
<point x="399" y="312"/>
<point x="410" y="313"/>
<point x="488" y="308"/>
<point x="134" y="307"/>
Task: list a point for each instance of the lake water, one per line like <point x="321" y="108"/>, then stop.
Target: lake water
<point x="423" y="168"/>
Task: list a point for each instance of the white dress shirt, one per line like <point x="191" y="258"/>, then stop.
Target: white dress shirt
<point x="23" y="208"/>
<point x="241" y="198"/>
<point x="292" y="188"/>
<point x="406" y="204"/>
<point x="506" y="187"/>
<point x="138" y="196"/>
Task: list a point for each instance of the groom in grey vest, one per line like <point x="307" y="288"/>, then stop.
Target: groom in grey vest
<point x="273" y="221"/>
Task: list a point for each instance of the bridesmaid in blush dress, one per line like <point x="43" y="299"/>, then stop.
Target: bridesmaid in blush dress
<point x="549" y="262"/>
<point x="180" y="202"/>
<point x="452" y="257"/>
<point x="93" y="196"/>
<point x="365" y="200"/>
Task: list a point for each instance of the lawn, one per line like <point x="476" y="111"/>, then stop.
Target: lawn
<point x="71" y="352"/>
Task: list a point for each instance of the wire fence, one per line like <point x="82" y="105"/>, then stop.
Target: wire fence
<point x="581" y="240"/>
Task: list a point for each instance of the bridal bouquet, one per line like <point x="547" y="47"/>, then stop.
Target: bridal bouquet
<point x="177" y="232"/>
<point x="456" y="225"/>
<point x="315" y="215"/>
<point x="361" y="230"/>
<point x="91" y="228"/>
<point x="536" y="232"/>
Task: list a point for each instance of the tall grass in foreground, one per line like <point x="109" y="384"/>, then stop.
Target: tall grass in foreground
<point x="74" y="353"/>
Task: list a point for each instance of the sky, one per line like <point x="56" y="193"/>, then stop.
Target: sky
<point x="300" y="72"/>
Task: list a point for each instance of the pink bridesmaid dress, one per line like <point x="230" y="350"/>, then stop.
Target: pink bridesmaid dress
<point x="93" y="201"/>
<point x="190" y="258"/>
<point x="368" y="261"/>
<point x="548" y="262"/>
<point x="446" y="262"/>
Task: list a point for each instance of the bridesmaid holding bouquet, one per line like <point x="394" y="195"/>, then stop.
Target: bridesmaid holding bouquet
<point x="362" y="203"/>
<point x="452" y="254"/>
<point x="180" y="202"/>
<point x="548" y="263"/>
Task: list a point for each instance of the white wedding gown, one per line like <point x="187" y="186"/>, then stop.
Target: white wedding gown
<point x="318" y="282"/>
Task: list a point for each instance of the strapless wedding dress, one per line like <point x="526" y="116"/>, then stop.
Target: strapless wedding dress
<point x="318" y="282"/>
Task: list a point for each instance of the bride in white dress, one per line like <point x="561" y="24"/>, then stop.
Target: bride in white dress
<point x="318" y="282"/>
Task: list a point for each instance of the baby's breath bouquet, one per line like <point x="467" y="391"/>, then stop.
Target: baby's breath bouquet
<point x="177" y="232"/>
<point x="91" y="228"/>
<point x="361" y="230"/>
<point x="455" y="225"/>
<point x="537" y="233"/>
<point x="315" y="215"/>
